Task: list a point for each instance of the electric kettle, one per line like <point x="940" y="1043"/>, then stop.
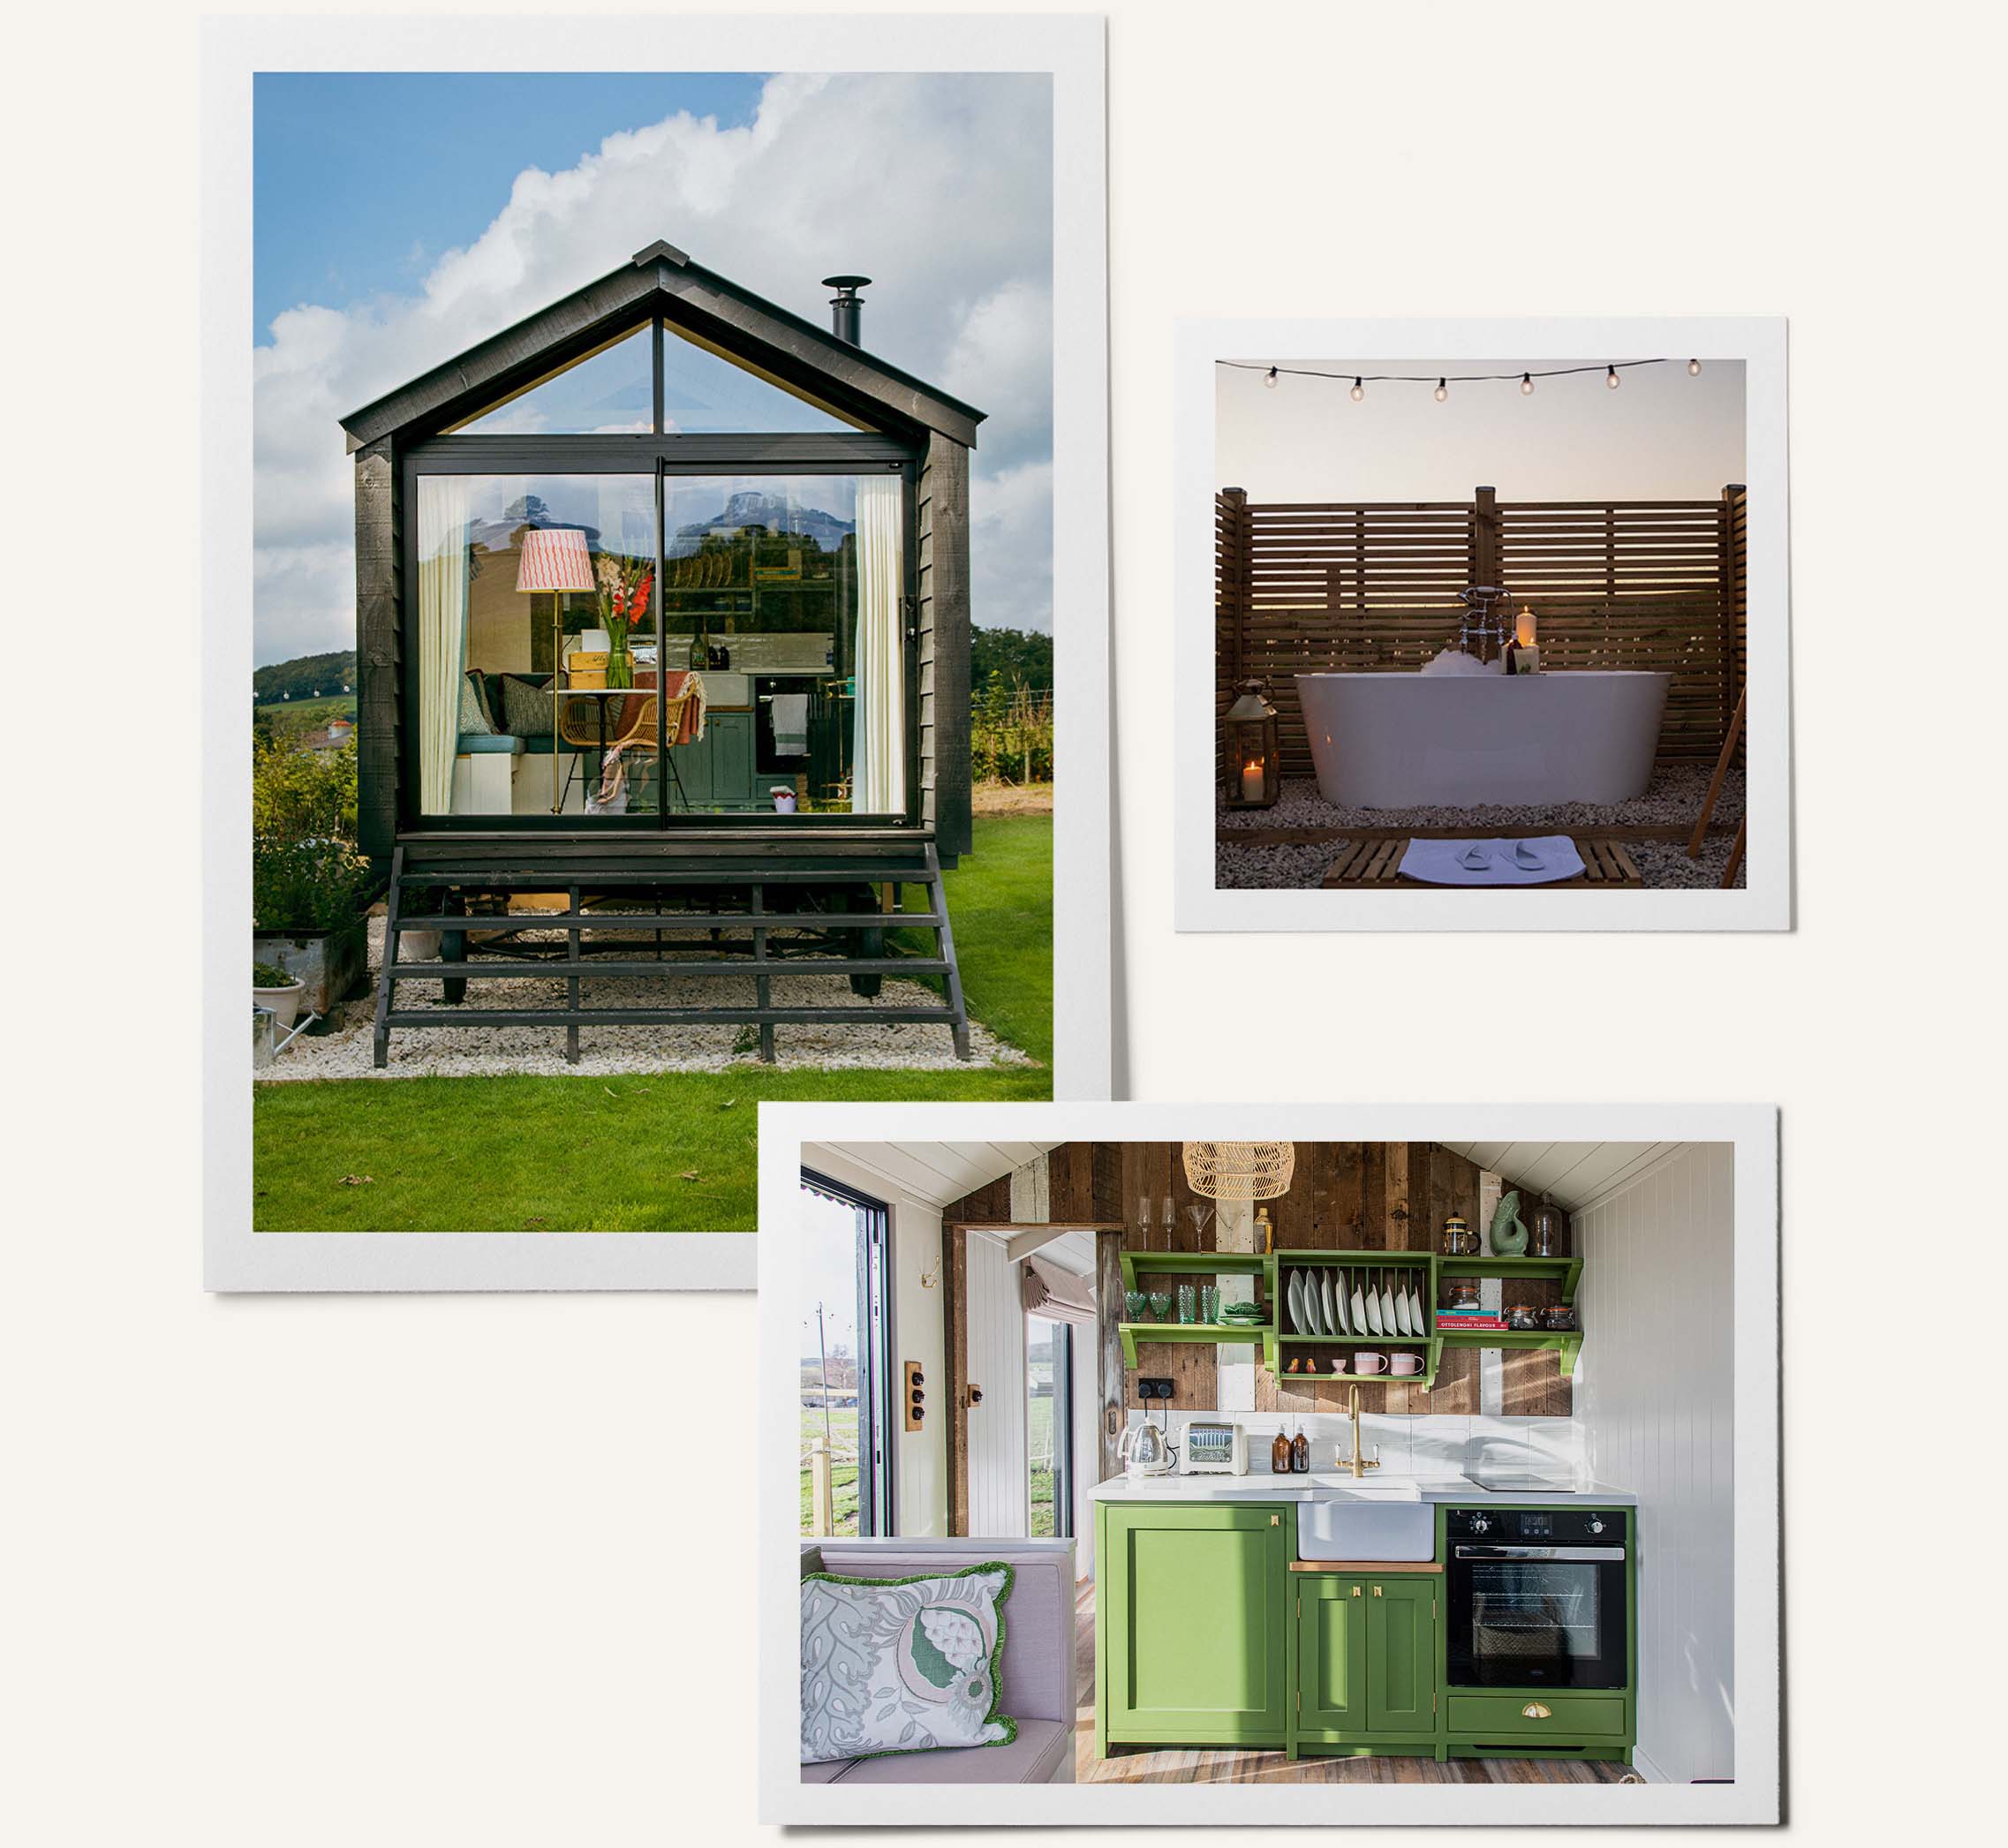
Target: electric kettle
<point x="1144" y="1451"/>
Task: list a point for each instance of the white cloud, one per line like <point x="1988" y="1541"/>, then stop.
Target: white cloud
<point x="940" y="188"/>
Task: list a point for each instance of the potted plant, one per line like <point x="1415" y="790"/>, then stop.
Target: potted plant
<point x="273" y="987"/>
<point x="307" y="899"/>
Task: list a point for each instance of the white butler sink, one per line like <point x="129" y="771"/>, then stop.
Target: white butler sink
<point x="1339" y="1518"/>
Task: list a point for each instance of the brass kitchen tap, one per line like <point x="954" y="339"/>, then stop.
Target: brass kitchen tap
<point x="1358" y="1465"/>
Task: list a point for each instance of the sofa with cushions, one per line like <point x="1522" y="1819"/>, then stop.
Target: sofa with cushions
<point x="1038" y="1673"/>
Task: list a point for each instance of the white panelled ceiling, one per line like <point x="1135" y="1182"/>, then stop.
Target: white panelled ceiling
<point x="1570" y="1173"/>
<point x="932" y="1173"/>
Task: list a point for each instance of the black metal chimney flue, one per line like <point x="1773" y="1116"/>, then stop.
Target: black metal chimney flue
<point x="845" y="308"/>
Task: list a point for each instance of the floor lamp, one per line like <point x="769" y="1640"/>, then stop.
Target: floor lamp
<point x="555" y="559"/>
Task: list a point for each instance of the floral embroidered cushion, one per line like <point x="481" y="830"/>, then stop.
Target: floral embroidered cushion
<point x="474" y="713"/>
<point x="902" y="1665"/>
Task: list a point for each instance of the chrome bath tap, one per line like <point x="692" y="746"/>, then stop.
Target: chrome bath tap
<point x="1484" y="619"/>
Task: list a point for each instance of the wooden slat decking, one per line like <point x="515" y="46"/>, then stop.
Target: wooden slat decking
<point x="1374" y="865"/>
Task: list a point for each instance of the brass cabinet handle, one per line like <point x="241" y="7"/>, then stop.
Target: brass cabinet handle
<point x="1275" y="1520"/>
<point x="1355" y="1591"/>
<point x="1377" y="1591"/>
<point x="1535" y="1711"/>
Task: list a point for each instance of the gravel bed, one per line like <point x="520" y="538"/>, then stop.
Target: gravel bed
<point x="1663" y="864"/>
<point x="500" y="1052"/>
<point x="1674" y="796"/>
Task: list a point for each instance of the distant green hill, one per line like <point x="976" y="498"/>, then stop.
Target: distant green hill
<point x="311" y="676"/>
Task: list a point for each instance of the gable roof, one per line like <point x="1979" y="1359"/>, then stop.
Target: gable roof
<point x="661" y="280"/>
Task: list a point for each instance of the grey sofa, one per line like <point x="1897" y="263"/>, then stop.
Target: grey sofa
<point x="1038" y="1659"/>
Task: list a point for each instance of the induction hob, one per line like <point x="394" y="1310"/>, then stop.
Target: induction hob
<point x="1510" y="1482"/>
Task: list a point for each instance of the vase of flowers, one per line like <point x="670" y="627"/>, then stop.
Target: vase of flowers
<point x="624" y="587"/>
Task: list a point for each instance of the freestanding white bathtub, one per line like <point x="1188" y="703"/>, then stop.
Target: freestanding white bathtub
<point x="1407" y="741"/>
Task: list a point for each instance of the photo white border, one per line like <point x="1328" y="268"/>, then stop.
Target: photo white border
<point x="1765" y="902"/>
<point x="1755" y="1795"/>
<point x="1071" y="47"/>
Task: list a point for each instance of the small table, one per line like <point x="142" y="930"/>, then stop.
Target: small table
<point x="602" y="694"/>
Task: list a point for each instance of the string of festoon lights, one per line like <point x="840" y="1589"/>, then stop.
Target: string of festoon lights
<point x="1273" y="375"/>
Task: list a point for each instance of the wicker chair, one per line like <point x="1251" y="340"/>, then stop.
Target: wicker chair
<point x="630" y="723"/>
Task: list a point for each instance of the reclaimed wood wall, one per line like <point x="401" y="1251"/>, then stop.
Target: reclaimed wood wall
<point x="1376" y="1196"/>
<point x="1372" y="587"/>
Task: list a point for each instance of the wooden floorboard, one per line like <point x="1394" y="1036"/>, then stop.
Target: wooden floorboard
<point x="1134" y="1765"/>
<point x="1595" y="831"/>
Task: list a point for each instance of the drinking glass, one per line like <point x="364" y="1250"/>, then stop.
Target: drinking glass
<point x="1134" y="1303"/>
<point x="1171" y="1221"/>
<point x="1187" y="1302"/>
<point x="1161" y="1304"/>
<point x="1209" y="1303"/>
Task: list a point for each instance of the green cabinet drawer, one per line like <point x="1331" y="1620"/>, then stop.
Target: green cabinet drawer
<point x="1531" y="1717"/>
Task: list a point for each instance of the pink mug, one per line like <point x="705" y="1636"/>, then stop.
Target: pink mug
<point x="1407" y="1364"/>
<point x="1369" y="1362"/>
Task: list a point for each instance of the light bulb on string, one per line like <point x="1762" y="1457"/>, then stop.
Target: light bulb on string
<point x="1359" y="391"/>
<point x="1443" y="390"/>
<point x="1269" y="378"/>
<point x="1611" y="377"/>
<point x="1693" y="369"/>
<point x="1527" y="385"/>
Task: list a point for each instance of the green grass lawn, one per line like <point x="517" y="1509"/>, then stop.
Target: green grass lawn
<point x="674" y="1152"/>
<point x="311" y="711"/>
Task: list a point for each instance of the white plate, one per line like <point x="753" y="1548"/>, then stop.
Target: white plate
<point x="1339" y="1303"/>
<point x="1295" y="1292"/>
<point x="1387" y="1301"/>
<point x="1373" y="1306"/>
<point x="1416" y="1308"/>
<point x="1327" y="1313"/>
<point x="1401" y="1324"/>
<point x="1359" y="1306"/>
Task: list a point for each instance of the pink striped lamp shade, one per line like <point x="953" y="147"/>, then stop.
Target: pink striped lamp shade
<point x="554" y="558"/>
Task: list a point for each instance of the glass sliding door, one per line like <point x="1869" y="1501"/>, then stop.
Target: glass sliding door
<point x="845" y="1365"/>
<point x="786" y="594"/>
<point x="538" y="650"/>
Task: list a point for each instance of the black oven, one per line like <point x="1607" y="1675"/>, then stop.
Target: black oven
<point x="1537" y="1597"/>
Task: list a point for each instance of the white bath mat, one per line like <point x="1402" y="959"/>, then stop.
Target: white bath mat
<point x="1493" y="863"/>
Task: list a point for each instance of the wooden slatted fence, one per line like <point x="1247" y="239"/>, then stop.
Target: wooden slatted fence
<point x="1372" y="587"/>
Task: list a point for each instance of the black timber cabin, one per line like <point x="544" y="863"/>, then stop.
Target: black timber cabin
<point x="663" y="614"/>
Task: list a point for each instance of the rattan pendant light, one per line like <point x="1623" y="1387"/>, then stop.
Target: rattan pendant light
<point x="1240" y="1171"/>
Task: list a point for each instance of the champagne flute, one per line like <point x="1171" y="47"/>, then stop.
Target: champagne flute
<point x="1171" y="1221"/>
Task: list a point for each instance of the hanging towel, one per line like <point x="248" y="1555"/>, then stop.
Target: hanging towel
<point x="1493" y="863"/>
<point x="791" y="725"/>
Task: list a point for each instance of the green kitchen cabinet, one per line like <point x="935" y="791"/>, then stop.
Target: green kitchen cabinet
<point x="1192" y="1638"/>
<point x="717" y="771"/>
<point x="1366" y="1661"/>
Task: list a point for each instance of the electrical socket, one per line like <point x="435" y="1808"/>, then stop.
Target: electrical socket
<point x="1149" y="1389"/>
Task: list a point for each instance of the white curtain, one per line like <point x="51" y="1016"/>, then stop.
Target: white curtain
<point x="442" y="633"/>
<point x="878" y="772"/>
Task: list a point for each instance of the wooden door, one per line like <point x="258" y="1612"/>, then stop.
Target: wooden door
<point x="1332" y="1652"/>
<point x="1193" y="1623"/>
<point x="1402" y="1653"/>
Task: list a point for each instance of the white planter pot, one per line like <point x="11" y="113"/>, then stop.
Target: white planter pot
<point x="418" y="945"/>
<point x="284" y="1002"/>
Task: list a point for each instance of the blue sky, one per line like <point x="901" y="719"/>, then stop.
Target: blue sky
<point x="399" y="219"/>
<point x="336" y="216"/>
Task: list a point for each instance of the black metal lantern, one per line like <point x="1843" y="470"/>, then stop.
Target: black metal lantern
<point x="1254" y="750"/>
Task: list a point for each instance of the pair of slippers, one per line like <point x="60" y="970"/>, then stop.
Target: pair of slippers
<point x="1517" y="854"/>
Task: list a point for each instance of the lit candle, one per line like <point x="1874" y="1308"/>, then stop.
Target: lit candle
<point x="1524" y="628"/>
<point x="1251" y="783"/>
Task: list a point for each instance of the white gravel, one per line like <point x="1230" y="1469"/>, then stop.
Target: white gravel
<point x="1675" y="797"/>
<point x="466" y="1051"/>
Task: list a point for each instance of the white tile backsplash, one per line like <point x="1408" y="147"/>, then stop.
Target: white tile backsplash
<point x="1428" y="1446"/>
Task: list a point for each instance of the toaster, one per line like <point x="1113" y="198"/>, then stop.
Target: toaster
<point x="1213" y="1450"/>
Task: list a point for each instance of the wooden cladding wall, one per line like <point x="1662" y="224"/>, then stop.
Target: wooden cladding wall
<point x="1372" y="587"/>
<point x="1736" y="504"/>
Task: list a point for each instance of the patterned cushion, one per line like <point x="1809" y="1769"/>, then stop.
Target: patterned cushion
<point x="473" y="713"/>
<point x="526" y="708"/>
<point x="902" y="1665"/>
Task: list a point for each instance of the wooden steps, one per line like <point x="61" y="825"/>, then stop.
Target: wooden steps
<point x="813" y="913"/>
